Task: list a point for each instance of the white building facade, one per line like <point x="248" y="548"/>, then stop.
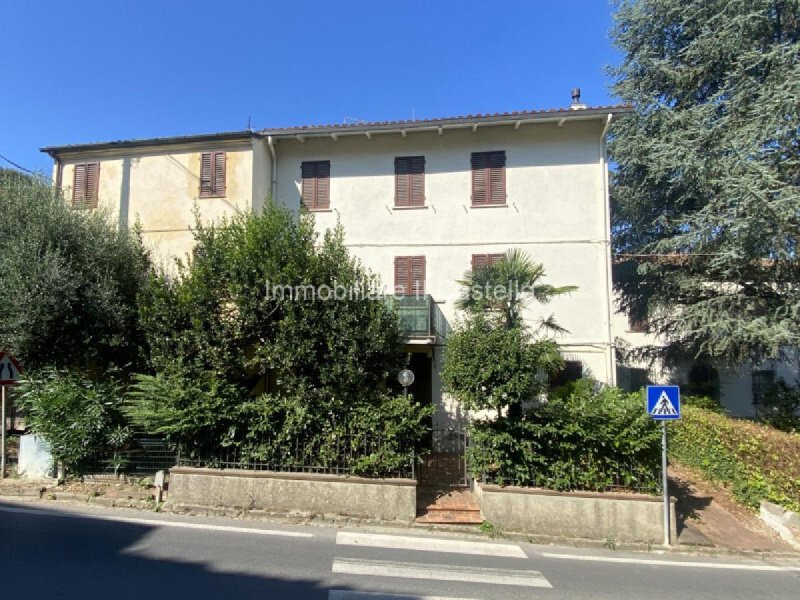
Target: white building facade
<point x="419" y="201"/>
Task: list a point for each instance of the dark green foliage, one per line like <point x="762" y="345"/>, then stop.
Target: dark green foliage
<point x="704" y="402"/>
<point x="68" y="281"/>
<point x="79" y="418"/>
<point x="237" y="366"/>
<point x="758" y="462"/>
<point x="505" y="288"/>
<point x="780" y="406"/>
<point x="705" y="197"/>
<point x="578" y="440"/>
<point x="493" y="367"/>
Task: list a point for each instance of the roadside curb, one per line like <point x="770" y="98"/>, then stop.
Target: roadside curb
<point x="452" y="531"/>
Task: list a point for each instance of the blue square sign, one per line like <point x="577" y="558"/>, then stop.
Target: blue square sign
<point x="664" y="402"/>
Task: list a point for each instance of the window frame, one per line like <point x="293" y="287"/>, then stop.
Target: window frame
<point x="408" y="268"/>
<point x="411" y="200"/>
<point x="491" y="259"/>
<point x="84" y="195"/>
<point x="482" y="161"/>
<point x="213" y="190"/>
<point x="315" y="204"/>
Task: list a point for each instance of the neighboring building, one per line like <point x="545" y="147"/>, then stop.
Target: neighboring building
<point x="740" y="390"/>
<point x="420" y="203"/>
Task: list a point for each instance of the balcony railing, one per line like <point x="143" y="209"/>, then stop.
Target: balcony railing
<point x="420" y="317"/>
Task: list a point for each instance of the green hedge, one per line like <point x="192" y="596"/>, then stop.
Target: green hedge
<point x="758" y="462"/>
<point x="579" y="439"/>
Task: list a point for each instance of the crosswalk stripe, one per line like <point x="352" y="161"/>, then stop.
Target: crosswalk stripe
<point x="380" y="568"/>
<point x="400" y="542"/>
<point x="351" y="595"/>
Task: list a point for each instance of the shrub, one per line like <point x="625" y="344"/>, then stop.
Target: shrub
<point x="512" y="376"/>
<point x="758" y="462"/>
<point x="578" y="439"/>
<point x="704" y="402"/>
<point x="239" y="365"/>
<point x="68" y="281"/>
<point x="78" y="417"/>
<point x="781" y="406"/>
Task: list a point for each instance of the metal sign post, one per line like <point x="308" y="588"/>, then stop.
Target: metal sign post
<point x="664" y="483"/>
<point x="3" y="430"/>
<point x="664" y="404"/>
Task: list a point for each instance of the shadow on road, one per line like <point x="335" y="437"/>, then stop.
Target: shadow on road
<point x="85" y="558"/>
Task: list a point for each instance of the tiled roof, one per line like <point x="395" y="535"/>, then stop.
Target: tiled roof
<point x="478" y="117"/>
<point x="473" y="119"/>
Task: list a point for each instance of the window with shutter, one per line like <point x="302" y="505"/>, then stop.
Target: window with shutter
<point x="485" y="260"/>
<point x="85" y="185"/>
<point x="409" y="275"/>
<point x="212" y="174"/>
<point x="488" y="178"/>
<point x="315" y="189"/>
<point x="409" y="178"/>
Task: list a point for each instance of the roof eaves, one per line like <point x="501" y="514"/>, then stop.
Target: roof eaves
<point x="147" y="142"/>
<point x="465" y="120"/>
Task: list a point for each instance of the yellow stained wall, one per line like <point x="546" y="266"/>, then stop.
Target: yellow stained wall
<point x="161" y="192"/>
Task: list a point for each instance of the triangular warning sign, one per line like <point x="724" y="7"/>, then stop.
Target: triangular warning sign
<point x="10" y="371"/>
<point x="664" y="406"/>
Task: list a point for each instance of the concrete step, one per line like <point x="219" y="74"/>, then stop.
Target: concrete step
<point x="452" y="517"/>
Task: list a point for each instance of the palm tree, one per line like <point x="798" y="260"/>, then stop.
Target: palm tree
<point x="507" y="287"/>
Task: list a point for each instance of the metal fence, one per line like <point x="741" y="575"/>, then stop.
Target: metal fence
<point x="335" y="454"/>
<point x="444" y="462"/>
<point x="143" y="458"/>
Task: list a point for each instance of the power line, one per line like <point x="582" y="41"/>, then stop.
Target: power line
<point x="18" y="166"/>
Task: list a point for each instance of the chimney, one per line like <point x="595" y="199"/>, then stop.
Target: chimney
<point x="576" y="100"/>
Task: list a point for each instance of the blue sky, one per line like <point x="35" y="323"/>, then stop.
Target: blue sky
<point x="83" y="71"/>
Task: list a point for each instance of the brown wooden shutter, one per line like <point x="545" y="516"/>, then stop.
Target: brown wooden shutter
<point x="206" y="175"/>
<point x="402" y="187"/>
<point x="79" y="186"/>
<point x="86" y="185"/>
<point x="409" y="174"/>
<point x="488" y="178"/>
<point x="323" y="184"/>
<point x="402" y="273"/>
<point x="315" y="190"/>
<point x="92" y="184"/>
<point x="417" y="276"/>
<point x="218" y="168"/>
<point x="485" y="260"/>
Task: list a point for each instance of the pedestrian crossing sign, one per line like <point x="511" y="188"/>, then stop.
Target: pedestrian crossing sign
<point x="664" y="402"/>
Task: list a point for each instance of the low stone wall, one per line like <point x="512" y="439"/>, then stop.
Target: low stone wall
<point x="621" y="517"/>
<point x="304" y="493"/>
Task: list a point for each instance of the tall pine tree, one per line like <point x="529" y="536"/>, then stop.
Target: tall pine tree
<point x="706" y="192"/>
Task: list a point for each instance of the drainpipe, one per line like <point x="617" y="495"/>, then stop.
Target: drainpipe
<point x="274" y="169"/>
<point x="59" y="170"/>
<point x="612" y="361"/>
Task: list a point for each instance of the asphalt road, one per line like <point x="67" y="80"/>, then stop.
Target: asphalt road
<point x="81" y="553"/>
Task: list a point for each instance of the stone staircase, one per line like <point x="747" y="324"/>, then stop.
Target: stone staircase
<point x="447" y="506"/>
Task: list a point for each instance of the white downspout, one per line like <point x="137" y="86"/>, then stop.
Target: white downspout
<point x="612" y="360"/>
<point x="273" y="188"/>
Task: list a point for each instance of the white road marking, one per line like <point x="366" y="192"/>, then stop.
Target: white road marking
<point x="157" y="523"/>
<point x="400" y="542"/>
<point x="671" y="563"/>
<point x="350" y="595"/>
<point x="380" y="568"/>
